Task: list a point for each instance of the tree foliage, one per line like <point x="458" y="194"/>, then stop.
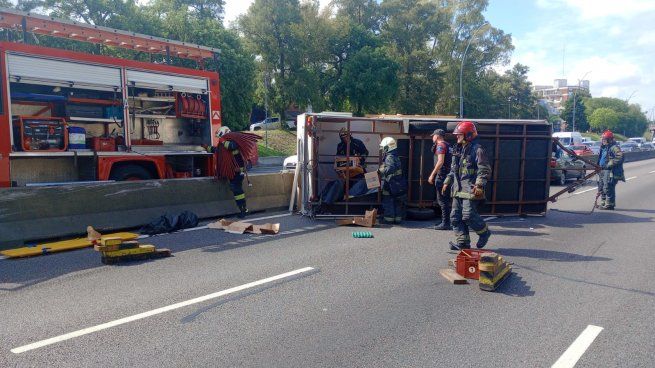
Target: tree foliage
<point x="631" y="121"/>
<point x="604" y="118"/>
<point x="581" y="123"/>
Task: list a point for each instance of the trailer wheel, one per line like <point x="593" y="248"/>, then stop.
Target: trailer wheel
<point x="130" y="173"/>
<point x="420" y="214"/>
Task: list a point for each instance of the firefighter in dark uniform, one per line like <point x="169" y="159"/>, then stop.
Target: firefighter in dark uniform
<point x="357" y="148"/>
<point x="394" y="186"/>
<point x="610" y="159"/>
<point x="468" y="175"/>
<point x="236" y="183"/>
<point x="443" y="159"/>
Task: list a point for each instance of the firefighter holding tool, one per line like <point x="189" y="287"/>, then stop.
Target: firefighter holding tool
<point x="234" y="154"/>
<point x="610" y="159"/>
<point x="468" y="175"/>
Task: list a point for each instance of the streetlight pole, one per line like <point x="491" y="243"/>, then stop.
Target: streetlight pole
<point x="461" y="69"/>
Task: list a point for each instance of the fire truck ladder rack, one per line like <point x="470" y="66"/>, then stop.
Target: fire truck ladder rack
<point x="44" y="25"/>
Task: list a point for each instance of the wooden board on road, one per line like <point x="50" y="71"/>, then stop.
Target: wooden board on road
<point x="452" y="276"/>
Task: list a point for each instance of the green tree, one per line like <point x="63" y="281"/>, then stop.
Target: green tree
<point x="581" y="123"/>
<point x="370" y="80"/>
<point x="604" y="118"/>
<point x="365" y="13"/>
<point x="632" y="122"/>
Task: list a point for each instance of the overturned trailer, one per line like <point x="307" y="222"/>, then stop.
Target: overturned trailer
<point x="519" y="152"/>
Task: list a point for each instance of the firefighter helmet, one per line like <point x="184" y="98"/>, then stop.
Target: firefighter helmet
<point x="467" y="129"/>
<point x="388" y="144"/>
<point x="608" y="135"/>
<point x="222" y="131"/>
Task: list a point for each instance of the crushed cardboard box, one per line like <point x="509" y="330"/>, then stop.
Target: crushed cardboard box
<point x="367" y="221"/>
<point x="240" y="227"/>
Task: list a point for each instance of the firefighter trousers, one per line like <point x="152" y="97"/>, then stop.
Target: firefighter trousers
<point x="465" y="216"/>
<point x="394" y="208"/>
<point x="607" y="188"/>
<point x="236" y="186"/>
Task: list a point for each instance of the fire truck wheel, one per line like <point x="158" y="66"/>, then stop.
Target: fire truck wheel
<point x="420" y="214"/>
<point x="130" y="172"/>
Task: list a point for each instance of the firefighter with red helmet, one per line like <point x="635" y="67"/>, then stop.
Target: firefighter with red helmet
<point x="469" y="172"/>
<point x="610" y="159"/>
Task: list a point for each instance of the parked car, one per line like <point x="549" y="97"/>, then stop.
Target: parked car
<point x="290" y="163"/>
<point x="629" y="147"/>
<point x="565" y="168"/>
<point x="581" y="150"/>
<point x="637" y="140"/>
<point x="647" y="146"/>
<point x="594" y="146"/>
<point x="270" y="123"/>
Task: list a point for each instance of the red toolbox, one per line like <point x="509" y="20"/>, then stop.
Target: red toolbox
<point x="467" y="263"/>
<point x="100" y="144"/>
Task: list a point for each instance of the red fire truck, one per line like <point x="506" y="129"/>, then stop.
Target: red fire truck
<point x="76" y="117"/>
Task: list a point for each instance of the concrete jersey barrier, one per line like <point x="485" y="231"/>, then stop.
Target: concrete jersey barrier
<point x="39" y="213"/>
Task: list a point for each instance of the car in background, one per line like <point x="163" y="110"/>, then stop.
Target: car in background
<point x="568" y="138"/>
<point x="637" y="140"/>
<point x="594" y="146"/>
<point x="269" y="123"/>
<point x="647" y="146"/>
<point x="566" y="168"/>
<point x="629" y="147"/>
<point x="581" y="150"/>
<point x="290" y="163"/>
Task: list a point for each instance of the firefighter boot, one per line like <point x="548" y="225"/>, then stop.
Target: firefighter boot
<point x="444" y="225"/>
<point x="484" y="238"/>
<point x="243" y="211"/>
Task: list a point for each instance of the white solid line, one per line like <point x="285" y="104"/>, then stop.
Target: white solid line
<point x="652" y="172"/>
<point x="630" y="178"/>
<point x="490" y="218"/>
<point x="136" y="317"/>
<point x="578" y="348"/>
<point x="585" y="191"/>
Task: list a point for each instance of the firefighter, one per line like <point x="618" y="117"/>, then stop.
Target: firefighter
<point x="357" y="147"/>
<point x="610" y="159"/>
<point x="394" y="186"/>
<point x="236" y="183"/>
<point x="468" y="175"/>
<point x="442" y="162"/>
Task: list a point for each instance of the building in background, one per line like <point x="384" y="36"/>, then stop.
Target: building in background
<point x="554" y="97"/>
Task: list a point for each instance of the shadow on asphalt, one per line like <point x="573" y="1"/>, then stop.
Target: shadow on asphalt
<point x="549" y="255"/>
<point x="515" y="286"/>
<point x="516" y="233"/>
<point x="571" y="279"/>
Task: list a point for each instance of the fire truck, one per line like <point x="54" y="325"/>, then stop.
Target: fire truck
<point x="71" y="117"/>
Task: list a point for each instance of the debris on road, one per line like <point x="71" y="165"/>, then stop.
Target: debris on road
<point x="486" y="266"/>
<point x="115" y="250"/>
<point x="61" y="246"/>
<point x="362" y="234"/>
<point x="240" y="227"/>
<point x="368" y="220"/>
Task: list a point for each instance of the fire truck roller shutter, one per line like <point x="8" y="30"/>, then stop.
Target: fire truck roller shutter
<point x="166" y="82"/>
<point x="36" y="70"/>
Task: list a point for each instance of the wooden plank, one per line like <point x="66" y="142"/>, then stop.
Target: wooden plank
<point x="452" y="276"/>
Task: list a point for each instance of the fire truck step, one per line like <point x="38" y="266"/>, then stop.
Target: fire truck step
<point x="60" y="246"/>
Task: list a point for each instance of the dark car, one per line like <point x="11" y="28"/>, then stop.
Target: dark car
<point x="566" y="168"/>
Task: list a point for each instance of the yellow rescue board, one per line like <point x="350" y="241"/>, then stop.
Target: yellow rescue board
<point x="145" y="248"/>
<point x="60" y="246"/>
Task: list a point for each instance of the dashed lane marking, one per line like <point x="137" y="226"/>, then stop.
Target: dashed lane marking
<point x="630" y="178"/>
<point x="578" y="348"/>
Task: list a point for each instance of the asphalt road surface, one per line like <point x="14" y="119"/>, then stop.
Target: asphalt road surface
<point x="314" y="296"/>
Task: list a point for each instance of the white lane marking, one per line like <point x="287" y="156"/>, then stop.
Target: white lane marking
<point x="585" y="191"/>
<point x="578" y="348"/>
<point x="168" y="308"/>
<point x="652" y="172"/>
<point x="630" y="178"/>
<point x="490" y="218"/>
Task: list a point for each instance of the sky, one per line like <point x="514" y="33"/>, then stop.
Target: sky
<point x="611" y="42"/>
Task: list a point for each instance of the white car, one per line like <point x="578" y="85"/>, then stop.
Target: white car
<point x="290" y="163"/>
<point x="270" y="124"/>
